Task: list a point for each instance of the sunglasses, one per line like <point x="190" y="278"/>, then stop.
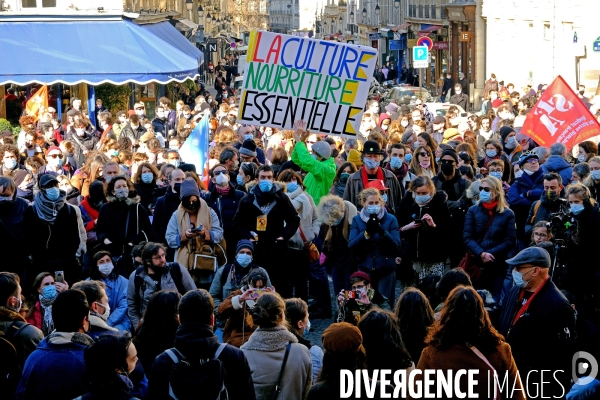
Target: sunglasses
<point x="54" y="155"/>
<point x="532" y="161"/>
<point x="446" y="161"/>
<point x="485" y="189"/>
<point x="423" y="154"/>
<point x="139" y="108"/>
<point x="220" y="172"/>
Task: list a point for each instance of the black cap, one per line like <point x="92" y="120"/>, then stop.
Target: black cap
<point x="46" y="180"/>
<point x="372" y="147"/>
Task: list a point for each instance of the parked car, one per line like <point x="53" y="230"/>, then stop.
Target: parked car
<point x="442" y="109"/>
<point x="406" y="95"/>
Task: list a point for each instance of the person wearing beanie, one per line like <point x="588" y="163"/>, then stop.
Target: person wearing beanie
<point x="360" y="298"/>
<point x="244" y="133"/>
<point x="191" y="227"/>
<point x="56" y="164"/>
<point x="354" y="158"/>
<point x="229" y="278"/>
<point x="372" y="156"/>
<point x="510" y="144"/>
<point x="450" y="134"/>
<point x="547" y="315"/>
<point x="439" y="126"/>
<point x="268" y="217"/>
<point x="248" y="151"/>
<point x="319" y="165"/>
<point x="450" y="180"/>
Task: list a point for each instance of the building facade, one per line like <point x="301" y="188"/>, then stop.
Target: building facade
<point x="284" y="15"/>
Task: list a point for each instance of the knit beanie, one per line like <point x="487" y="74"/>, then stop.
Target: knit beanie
<point x="342" y="337"/>
<point x="354" y="158"/>
<point x="244" y="244"/>
<point x="323" y="149"/>
<point x="450" y="153"/>
<point x="505" y="131"/>
<point x="189" y="187"/>
<point x="248" y="148"/>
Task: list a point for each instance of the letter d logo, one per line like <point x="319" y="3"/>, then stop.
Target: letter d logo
<point x="588" y="369"/>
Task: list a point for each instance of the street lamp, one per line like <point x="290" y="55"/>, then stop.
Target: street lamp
<point x="189" y="4"/>
<point x="396" y="3"/>
<point x="200" y="12"/>
<point x="377" y="9"/>
<point x="364" y="12"/>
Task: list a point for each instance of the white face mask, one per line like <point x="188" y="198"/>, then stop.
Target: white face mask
<point x="222" y="179"/>
<point x="105" y="269"/>
<point x="106" y="311"/>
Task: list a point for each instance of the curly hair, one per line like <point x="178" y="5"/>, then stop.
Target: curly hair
<point x="464" y="320"/>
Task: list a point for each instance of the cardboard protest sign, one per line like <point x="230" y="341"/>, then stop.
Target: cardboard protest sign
<point x="560" y="116"/>
<point x="289" y="78"/>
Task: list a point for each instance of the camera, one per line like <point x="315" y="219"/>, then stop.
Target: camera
<point x="352" y="294"/>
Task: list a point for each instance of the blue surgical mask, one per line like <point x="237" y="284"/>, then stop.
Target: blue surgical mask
<point x="55" y="162"/>
<point x="239" y="180"/>
<point x="437" y="159"/>
<point x="336" y="223"/>
<point x="485" y="197"/>
<point x="384" y="197"/>
<point x="243" y="259"/>
<point x="176" y="163"/>
<point x="595" y="175"/>
<point x="408" y="158"/>
<point x="371" y="163"/>
<point x="307" y="328"/>
<point x="511" y="143"/>
<point x="422" y="199"/>
<point x="292" y="187"/>
<point x="496" y="174"/>
<point x="10" y="164"/>
<point x="147" y="177"/>
<point x="265" y="185"/>
<point x="518" y="278"/>
<point x="374" y="209"/>
<point x="415" y="145"/>
<point x="248" y="136"/>
<point x="395" y="162"/>
<point x="577" y="208"/>
<point x="49" y="292"/>
<point x="491" y="153"/>
<point x="52" y="193"/>
<point x="121" y="193"/>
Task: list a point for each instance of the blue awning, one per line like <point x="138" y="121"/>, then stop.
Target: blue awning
<point x="92" y="52"/>
<point x="171" y="35"/>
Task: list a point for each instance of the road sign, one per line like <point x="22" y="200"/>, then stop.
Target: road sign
<point x="212" y="47"/>
<point x="420" y="57"/>
<point x="425" y="41"/>
<point x="597" y="44"/>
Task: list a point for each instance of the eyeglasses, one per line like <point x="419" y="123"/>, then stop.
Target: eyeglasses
<point x="138" y="108"/>
<point x="532" y="161"/>
<point x="423" y="154"/>
<point x="485" y="189"/>
<point x="54" y="155"/>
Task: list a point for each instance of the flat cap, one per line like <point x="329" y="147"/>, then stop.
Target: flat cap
<point x="531" y="255"/>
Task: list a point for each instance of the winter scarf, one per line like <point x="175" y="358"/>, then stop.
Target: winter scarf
<point x="62" y="338"/>
<point x="46" y="304"/>
<point x="262" y="198"/>
<point x="46" y="209"/>
<point x="365" y="177"/>
<point x="270" y="339"/>
<point x="339" y="188"/>
<point x="364" y="214"/>
<point x="301" y="202"/>
<point x="186" y="252"/>
<point x="348" y="217"/>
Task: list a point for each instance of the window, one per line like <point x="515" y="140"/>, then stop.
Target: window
<point x="426" y="11"/>
<point x="433" y="8"/>
<point x="420" y="11"/>
<point x="38" y="3"/>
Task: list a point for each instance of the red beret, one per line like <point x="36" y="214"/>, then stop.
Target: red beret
<point x="342" y="337"/>
<point x="362" y="275"/>
<point x="53" y="148"/>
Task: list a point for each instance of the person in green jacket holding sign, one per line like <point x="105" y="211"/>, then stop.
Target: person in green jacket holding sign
<point x="319" y="165"/>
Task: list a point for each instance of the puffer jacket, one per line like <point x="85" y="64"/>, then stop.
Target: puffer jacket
<point x="320" y="173"/>
<point x="380" y="251"/>
<point x="556" y="163"/>
<point x="426" y="244"/>
<point x="499" y="239"/>
<point x="137" y="302"/>
<point x="523" y="192"/>
<point x="265" y="351"/>
<point x="116" y="291"/>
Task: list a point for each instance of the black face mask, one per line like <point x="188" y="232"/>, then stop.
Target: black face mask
<point x="177" y="187"/>
<point x="447" y="169"/>
<point x="191" y="206"/>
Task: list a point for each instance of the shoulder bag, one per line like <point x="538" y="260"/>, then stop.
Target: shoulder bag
<point x="471" y="263"/>
<point x="278" y="384"/>
<point x="313" y="251"/>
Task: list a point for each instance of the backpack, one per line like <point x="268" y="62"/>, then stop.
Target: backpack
<point x="11" y="355"/>
<point x="189" y="378"/>
<point x="227" y="271"/>
<point x="174" y="269"/>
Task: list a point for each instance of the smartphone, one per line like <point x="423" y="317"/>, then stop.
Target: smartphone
<point x="59" y="276"/>
<point x="352" y="294"/>
<point x="418" y="221"/>
<point x="198" y="229"/>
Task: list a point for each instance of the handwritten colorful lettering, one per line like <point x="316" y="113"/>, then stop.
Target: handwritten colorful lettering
<point x="288" y="78"/>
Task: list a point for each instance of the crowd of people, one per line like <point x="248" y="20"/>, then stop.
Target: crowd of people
<point x="128" y="275"/>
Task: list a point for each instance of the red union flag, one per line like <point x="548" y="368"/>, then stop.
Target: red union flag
<point x="560" y="116"/>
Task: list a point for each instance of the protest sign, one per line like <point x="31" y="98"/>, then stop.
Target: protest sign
<point x="560" y="116"/>
<point x="289" y="78"/>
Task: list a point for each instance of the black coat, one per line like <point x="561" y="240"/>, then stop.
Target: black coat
<point x="226" y="207"/>
<point x="12" y="228"/>
<point x="448" y="86"/>
<point x="123" y="223"/>
<point x="338" y="254"/>
<point x="163" y="210"/>
<point x="542" y="339"/>
<point x="197" y="341"/>
<point x="52" y="247"/>
<point x="146" y="193"/>
<point x="282" y="221"/>
<point x="426" y="243"/>
<point x="461" y="100"/>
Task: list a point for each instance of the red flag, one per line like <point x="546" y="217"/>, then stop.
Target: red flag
<point x="560" y="116"/>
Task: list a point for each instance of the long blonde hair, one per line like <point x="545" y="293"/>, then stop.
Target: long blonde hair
<point x="496" y="186"/>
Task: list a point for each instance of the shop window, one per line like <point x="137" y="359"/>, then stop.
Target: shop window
<point x="38" y="3"/>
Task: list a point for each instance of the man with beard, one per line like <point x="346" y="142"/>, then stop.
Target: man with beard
<point x="550" y="203"/>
